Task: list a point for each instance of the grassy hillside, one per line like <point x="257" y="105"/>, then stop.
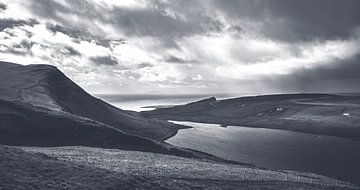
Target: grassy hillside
<point x="46" y="87"/>
<point x="93" y="168"/>
<point x="324" y="114"/>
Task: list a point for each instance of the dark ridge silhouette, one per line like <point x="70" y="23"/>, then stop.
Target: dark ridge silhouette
<point x="325" y="114"/>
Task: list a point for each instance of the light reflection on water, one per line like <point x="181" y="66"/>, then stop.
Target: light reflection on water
<point x="276" y="149"/>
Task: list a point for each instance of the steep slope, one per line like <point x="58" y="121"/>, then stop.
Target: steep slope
<point x="324" y="114"/>
<point x="24" y="125"/>
<point x="46" y="87"/>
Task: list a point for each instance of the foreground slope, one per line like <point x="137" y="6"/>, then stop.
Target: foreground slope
<point x="324" y="114"/>
<point x="92" y="168"/>
<point x="46" y="87"/>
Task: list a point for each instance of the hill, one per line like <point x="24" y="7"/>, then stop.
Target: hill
<point x="323" y="114"/>
<point x="46" y="87"/>
<point x="40" y="106"/>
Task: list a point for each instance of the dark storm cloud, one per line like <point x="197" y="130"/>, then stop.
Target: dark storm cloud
<point x="24" y="44"/>
<point x="11" y="23"/>
<point x="71" y="51"/>
<point x="79" y="34"/>
<point x="318" y="18"/>
<point x="2" y="7"/>
<point x="236" y="28"/>
<point x="47" y="9"/>
<point x="74" y="33"/>
<point x="338" y="76"/>
<point x="144" y="65"/>
<point x="244" y="9"/>
<point x="15" y="52"/>
<point x="178" y="60"/>
<point x="104" y="60"/>
<point x="152" y="21"/>
<point x="85" y="11"/>
<point x="294" y="20"/>
<point x="290" y="20"/>
<point x="107" y="42"/>
<point x="22" y="48"/>
<point x="341" y="69"/>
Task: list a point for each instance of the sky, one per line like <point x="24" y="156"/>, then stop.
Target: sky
<point x="187" y="46"/>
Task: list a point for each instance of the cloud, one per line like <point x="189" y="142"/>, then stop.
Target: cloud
<point x="177" y="60"/>
<point x="71" y="51"/>
<point x="97" y="19"/>
<point x="22" y="48"/>
<point x="144" y="65"/>
<point x="340" y="76"/>
<point x="295" y="20"/>
<point x="11" y="23"/>
<point x="74" y="33"/>
<point x="187" y="46"/>
<point x="104" y="60"/>
<point x="286" y="62"/>
<point x="319" y="18"/>
<point x="2" y="7"/>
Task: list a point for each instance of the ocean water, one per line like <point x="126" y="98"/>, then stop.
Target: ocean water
<point x="275" y="149"/>
<point x="148" y="102"/>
